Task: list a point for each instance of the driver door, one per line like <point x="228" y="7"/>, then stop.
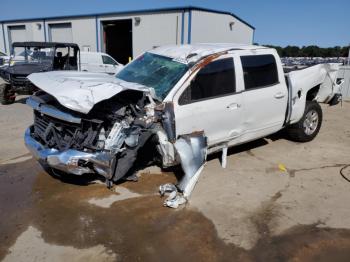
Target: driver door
<point x="111" y="66"/>
<point x="211" y="103"/>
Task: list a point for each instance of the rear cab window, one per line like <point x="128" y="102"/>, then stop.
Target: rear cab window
<point x="214" y="80"/>
<point x="259" y="71"/>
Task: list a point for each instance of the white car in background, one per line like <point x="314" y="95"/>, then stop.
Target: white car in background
<point x="98" y="62"/>
<point x="4" y="59"/>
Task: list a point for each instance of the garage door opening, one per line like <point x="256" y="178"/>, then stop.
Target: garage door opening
<point x="16" y="33"/>
<point x="61" y="33"/>
<point x="117" y="36"/>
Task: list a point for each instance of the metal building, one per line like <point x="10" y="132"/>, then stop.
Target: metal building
<point x="127" y="34"/>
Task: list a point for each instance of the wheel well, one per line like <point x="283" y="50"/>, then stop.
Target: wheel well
<point x="312" y="93"/>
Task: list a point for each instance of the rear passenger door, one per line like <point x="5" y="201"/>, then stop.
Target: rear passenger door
<point x="211" y="103"/>
<point x="265" y="95"/>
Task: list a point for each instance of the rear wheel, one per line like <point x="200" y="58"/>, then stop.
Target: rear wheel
<point x="309" y="125"/>
<point x="6" y="97"/>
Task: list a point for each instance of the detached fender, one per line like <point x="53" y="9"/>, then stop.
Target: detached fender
<point x="192" y="151"/>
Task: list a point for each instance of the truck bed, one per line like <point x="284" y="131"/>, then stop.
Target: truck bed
<point x="321" y="78"/>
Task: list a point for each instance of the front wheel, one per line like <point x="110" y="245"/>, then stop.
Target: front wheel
<point x="5" y="94"/>
<point x="309" y="125"/>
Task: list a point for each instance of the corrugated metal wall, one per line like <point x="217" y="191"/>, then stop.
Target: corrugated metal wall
<point x="34" y="31"/>
<point x="152" y="29"/>
<point x="219" y="28"/>
<point x="83" y="31"/>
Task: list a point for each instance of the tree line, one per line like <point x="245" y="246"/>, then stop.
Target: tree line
<point x="311" y="51"/>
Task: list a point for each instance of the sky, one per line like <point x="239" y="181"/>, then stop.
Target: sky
<point x="325" y="23"/>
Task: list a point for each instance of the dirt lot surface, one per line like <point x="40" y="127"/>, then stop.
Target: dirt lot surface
<point x="276" y="201"/>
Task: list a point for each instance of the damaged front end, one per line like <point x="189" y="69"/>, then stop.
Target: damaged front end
<point x="118" y="135"/>
<point x="112" y="125"/>
<point x="111" y="134"/>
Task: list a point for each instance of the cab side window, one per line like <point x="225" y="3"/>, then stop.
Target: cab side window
<point x="214" y="80"/>
<point x="259" y="71"/>
<point x="108" y="60"/>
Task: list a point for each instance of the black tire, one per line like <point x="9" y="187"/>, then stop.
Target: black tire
<point x="5" y="96"/>
<point x="309" y="125"/>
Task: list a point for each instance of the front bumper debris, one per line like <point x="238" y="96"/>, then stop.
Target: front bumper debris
<point x="192" y="150"/>
<point x="70" y="160"/>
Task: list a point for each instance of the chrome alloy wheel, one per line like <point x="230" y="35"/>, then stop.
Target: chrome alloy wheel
<point x="310" y="122"/>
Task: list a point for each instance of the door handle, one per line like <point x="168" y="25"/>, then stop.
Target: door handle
<point x="279" y="95"/>
<point x="233" y="106"/>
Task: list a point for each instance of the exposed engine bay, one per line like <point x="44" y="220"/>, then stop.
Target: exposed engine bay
<point x="119" y="135"/>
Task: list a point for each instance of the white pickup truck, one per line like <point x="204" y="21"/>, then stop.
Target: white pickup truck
<point x="173" y="105"/>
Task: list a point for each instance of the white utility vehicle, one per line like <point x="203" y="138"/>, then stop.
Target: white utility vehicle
<point x="173" y="105"/>
<point x="98" y="62"/>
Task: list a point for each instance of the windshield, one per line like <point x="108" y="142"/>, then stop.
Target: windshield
<point x="33" y="55"/>
<point x="155" y="71"/>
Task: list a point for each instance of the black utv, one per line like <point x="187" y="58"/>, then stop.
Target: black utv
<point x="34" y="57"/>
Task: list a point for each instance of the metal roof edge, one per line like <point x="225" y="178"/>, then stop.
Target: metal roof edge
<point x="220" y="12"/>
<point x="141" y="11"/>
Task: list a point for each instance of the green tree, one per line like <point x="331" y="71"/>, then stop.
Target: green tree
<point x="311" y="51"/>
<point x="291" y="51"/>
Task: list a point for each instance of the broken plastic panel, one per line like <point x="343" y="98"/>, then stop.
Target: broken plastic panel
<point x="192" y="150"/>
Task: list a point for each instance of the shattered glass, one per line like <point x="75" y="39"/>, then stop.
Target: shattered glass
<point x="158" y="72"/>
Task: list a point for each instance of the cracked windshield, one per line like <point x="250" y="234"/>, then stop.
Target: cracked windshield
<point x="155" y="71"/>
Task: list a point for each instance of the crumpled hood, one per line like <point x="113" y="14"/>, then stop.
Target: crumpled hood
<point x="80" y="91"/>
